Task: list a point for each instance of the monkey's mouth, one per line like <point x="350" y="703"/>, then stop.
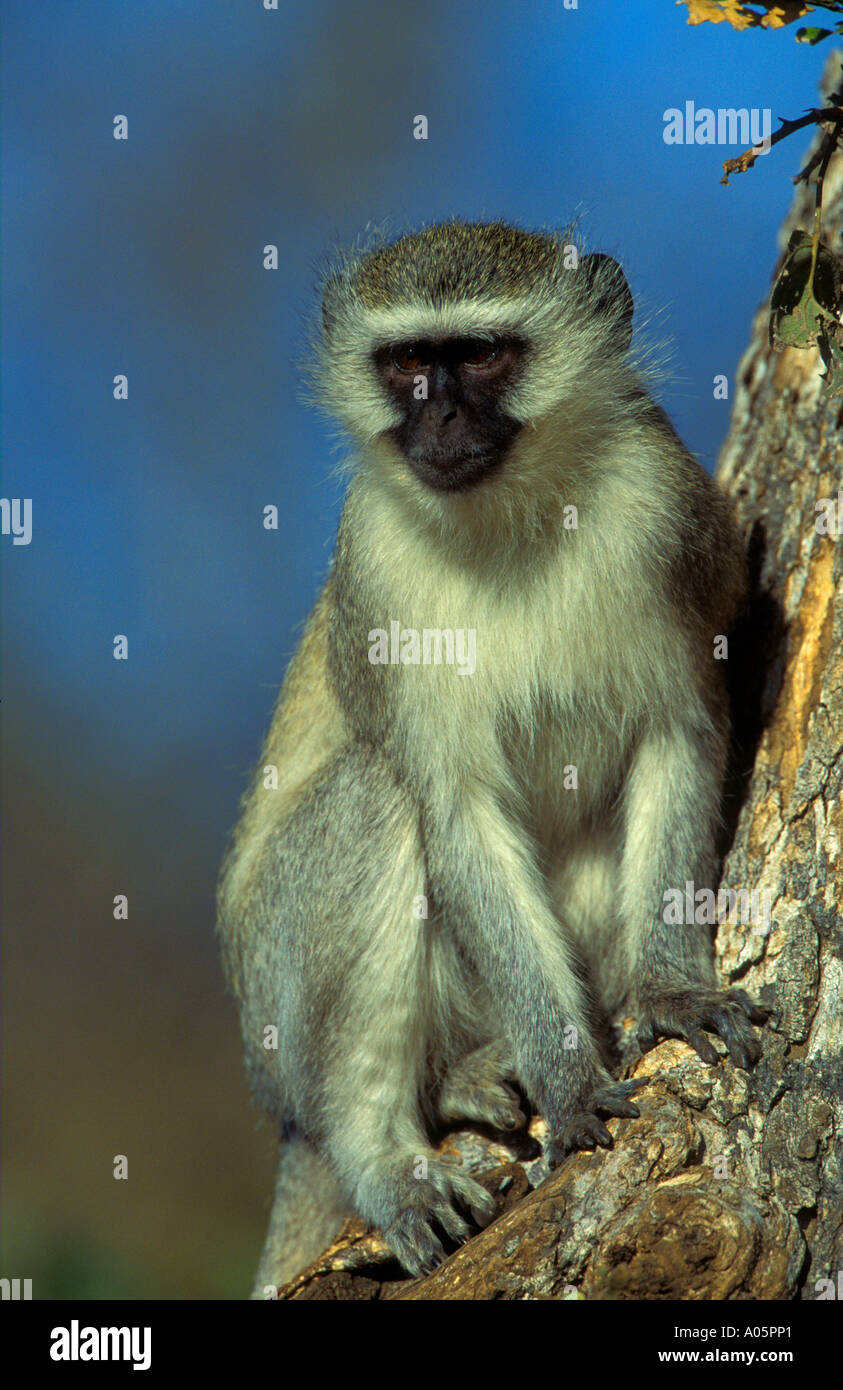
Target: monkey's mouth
<point x="454" y="471"/>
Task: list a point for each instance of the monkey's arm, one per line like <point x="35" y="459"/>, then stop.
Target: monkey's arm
<point x="671" y="802"/>
<point x="484" y="875"/>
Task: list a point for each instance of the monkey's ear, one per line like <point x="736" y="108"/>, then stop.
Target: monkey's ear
<point x="610" y="293"/>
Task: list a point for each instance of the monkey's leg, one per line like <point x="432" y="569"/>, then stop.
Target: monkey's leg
<point x="475" y="1089"/>
<point x="484" y="874"/>
<point x="356" y="1027"/>
<point x="671" y="805"/>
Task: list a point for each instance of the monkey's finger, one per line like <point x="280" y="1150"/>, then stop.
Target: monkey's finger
<point x="554" y="1154"/>
<point x="745" y="1055"/>
<point x="622" y="1109"/>
<point x="744" y="1052"/>
<point x="583" y="1132"/>
<point x="513" y="1119"/>
<point x="703" y="1048"/>
<point x="603" y="1137"/>
<point x="505" y="1112"/>
<point x="481" y="1215"/>
<point x="615" y="1100"/>
<point x="415" y="1263"/>
<point x="451" y="1222"/>
<point x="581" y="1139"/>
<point x="761" y="1014"/>
<point x="414" y="1244"/>
<point x="756" y="1013"/>
<point x="474" y="1198"/>
<point x="737" y="1053"/>
<point x="736" y="1032"/>
<point x="512" y="1115"/>
<point x="482" y="1207"/>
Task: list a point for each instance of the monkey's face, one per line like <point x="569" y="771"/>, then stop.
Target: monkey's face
<point x="447" y="343"/>
<point x="451" y="394"/>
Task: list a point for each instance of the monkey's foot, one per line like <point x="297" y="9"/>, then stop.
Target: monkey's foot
<point x="585" y="1129"/>
<point x="475" y="1089"/>
<point x="684" y="1013"/>
<point x="422" y="1202"/>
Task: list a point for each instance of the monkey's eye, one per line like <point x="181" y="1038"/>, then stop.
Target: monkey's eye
<point x="410" y="358"/>
<point x="479" y="353"/>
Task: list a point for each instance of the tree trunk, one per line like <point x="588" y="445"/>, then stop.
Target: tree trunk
<point x="730" y="1186"/>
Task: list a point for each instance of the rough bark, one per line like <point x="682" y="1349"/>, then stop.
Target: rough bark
<point x="730" y="1186"/>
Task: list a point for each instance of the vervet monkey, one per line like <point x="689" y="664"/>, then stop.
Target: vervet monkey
<point x="512" y="478"/>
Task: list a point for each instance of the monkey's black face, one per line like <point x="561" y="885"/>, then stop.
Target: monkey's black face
<point x="454" y="430"/>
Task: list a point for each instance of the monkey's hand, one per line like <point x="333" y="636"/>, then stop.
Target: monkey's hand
<point x="584" y="1129"/>
<point x="423" y="1201"/>
<point x="684" y="1013"/>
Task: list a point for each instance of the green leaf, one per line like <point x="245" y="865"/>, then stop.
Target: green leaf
<point x="805" y="306"/>
<point x="812" y="34"/>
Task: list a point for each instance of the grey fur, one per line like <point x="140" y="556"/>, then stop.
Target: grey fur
<point x="403" y="782"/>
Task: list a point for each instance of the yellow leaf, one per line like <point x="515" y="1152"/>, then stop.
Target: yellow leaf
<point x="785" y="12"/>
<point x="716" y="11"/>
<point x="741" y="16"/>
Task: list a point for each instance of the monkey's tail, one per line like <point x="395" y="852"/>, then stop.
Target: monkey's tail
<point x="307" y="1213"/>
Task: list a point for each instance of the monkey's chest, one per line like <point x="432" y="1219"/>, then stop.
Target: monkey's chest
<point x="569" y="764"/>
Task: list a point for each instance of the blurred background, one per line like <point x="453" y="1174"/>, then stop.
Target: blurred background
<point x="248" y="127"/>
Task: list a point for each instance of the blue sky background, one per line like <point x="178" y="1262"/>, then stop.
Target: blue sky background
<point x="248" y="127"/>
